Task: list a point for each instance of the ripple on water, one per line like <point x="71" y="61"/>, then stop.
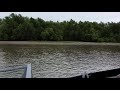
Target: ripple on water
<point x="61" y="61"/>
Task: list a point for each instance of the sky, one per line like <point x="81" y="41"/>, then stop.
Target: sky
<point x="77" y="16"/>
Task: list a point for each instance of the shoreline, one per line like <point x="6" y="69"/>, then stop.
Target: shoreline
<point x="54" y="43"/>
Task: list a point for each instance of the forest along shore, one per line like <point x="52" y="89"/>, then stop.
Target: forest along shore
<point x="19" y="28"/>
<point x="54" y="43"/>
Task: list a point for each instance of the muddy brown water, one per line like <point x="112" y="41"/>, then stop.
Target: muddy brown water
<point x="61" y="61"/>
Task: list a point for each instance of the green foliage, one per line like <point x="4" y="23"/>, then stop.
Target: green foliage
<point x="17" y="27"/>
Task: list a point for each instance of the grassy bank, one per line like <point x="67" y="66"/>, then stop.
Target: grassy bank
<point x="54" y="43"/>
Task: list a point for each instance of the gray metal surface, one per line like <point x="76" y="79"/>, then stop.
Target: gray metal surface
<point x="29" y="71"/>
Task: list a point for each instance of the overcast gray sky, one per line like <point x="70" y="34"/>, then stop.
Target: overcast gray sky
<point x="77" y="16"/>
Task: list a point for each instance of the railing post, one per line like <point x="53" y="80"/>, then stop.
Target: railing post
<point x="85" y="75"/>
<point x="29" y="71"/>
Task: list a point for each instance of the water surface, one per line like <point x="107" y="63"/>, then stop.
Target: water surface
<point x="59" y="61"/>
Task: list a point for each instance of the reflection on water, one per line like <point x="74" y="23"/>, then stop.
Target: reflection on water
<point x="56" y="61"/>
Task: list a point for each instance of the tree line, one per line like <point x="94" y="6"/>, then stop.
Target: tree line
<point x="18" y="28"/>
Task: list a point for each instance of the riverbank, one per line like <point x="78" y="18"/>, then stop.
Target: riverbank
<point x="55" y="43"/>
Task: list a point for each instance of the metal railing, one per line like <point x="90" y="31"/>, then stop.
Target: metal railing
<point x="27" y="70"/>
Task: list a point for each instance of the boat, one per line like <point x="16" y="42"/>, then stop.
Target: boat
<point x="114" y="73"/>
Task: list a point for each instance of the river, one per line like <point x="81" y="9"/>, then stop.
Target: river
<point x="61" y="61"/>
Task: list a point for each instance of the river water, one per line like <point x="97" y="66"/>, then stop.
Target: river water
<point x="61" y="61"/>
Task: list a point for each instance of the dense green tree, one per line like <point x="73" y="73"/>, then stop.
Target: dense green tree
<point x="17" y="27"/>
